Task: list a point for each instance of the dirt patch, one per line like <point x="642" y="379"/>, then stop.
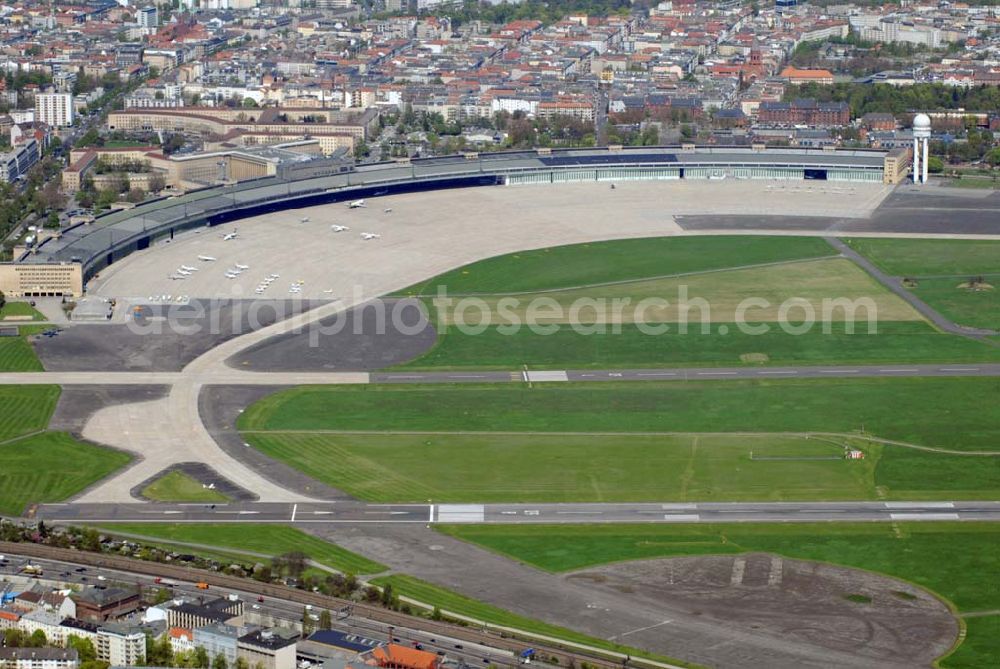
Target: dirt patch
<point x="884" y="621"/>
<point x="755" y="358"/>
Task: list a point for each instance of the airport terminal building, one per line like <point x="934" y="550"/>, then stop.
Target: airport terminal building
<point x="62" y="264"/>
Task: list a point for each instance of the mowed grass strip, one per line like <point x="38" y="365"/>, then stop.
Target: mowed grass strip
<point x="20" y="310"/>
<point x="453" y="602"/>
<point x="930" y="257"/>
<point x="621" y="260"/>
<point x="950" y="413"/>
<point x="625" y="468"/>
<point x="17" y="354"/>
<point x="176" y="486"/>
<point x="51" y="467"/>
<point x="893" y="343"/>
<point x="958" y="561"/>
<point x="25" y="409"/>
<point x="713" y="297"/>
<point x="264" y="539"/>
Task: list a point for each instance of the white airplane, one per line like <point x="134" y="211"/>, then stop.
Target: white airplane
<point x="242" y="267"/>
<point x="189" y="269"/>
<point x="370" y="235"/>
<point x="227" y="237"/>
<point x="231" y="276"/>
<point x="339" y="228"/>
<point x="305" y="219"/>
<point x="175" y="277"/>
<point x="183" y="272"/>
<point x="207" y="258"/>
<point x="388" y="210"/>
<point x="356" y="204"/>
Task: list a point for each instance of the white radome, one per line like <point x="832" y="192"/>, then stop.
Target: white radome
<point x="921" y="122"/>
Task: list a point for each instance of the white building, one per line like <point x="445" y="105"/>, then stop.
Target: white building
<point x="121" y="646"/>
<point x="54" y="109"/>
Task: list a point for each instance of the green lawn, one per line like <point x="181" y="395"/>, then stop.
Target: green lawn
<point x="176" y="486"/>
<point x="453" y="602"/>
<point x="16" y="354"/>
<point x="20" y="310"/>
<point x="958" y="561"/>
<point x="952" y="413"/>
<point x="974" y="308"/>
<point x="51" y="467"/>
<point x="264" y="539"/>
<point x="620" y="260"/>
<point x="930" y="257"/>
<point x="25" y="409"/>
<point x="895" y="342"/>
<point x="620" y="468"/>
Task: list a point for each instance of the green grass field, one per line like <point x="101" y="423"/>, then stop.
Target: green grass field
<point x="620" y="468"/>
<point x="19" y="310"/>
<point x="900" y="334"/>
<point x="51" y="467"/>
<point x="16" y="354"/>
<point x="176" y="486"/>
<point x="264" y="539"/>
<point x="958" y="561"/>
<point x="895" y="342"/>
<point x="952" y="413"/>
<point x="620" y="260"/>
<point x="25" y="409"/>
<point x="453" y="602"/>
<point x="974" y="308"/>
<point x="930" y="257"/>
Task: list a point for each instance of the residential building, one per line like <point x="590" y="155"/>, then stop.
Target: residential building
<point x="219" y="639"/>
<point x="147" y="17"/>
<point x="54" y="109"/>
<point x="121" y="646"/>
<point x="39" y="658"/>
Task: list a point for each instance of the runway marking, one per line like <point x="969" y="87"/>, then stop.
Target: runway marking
<point x="322" y="513"/>
<point x="678" y="507"/>
<point x="899" y="370"/>
<point x="839" y="371"/>
<point x="919" y="505"/>
<point x="405" y="376"/>
<point x="641" y="629"/>
<point x="959" y="369"/>
<point x="466" y="376"/>
<point x="779" y="371"/>
<point x="657" y="374"/>
<point x="582" y="513"/>
<point x="682" y="517"/>
<point x="295" y="507"/>
<point x="430" y="519"/>
<point x="716" y="373"/>
<point x="924" y="516"/>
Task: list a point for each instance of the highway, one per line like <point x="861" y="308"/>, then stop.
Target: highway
<point x="667" y="512"/>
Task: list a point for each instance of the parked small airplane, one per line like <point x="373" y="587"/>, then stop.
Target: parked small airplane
<point x="227" y="237"/>
<point x="242" y="267"/>
<point x="370" y="235"/>
<point x="183" y="272"/>
<point x="339" y="228"/>
<point x="189" y="269"/>
<point x="356" y="204"/>
<point x="305" y="219"/>
<point x="207" y="258"/>
<point x="388" y="210"/>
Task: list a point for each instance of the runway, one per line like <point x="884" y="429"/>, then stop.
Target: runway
<point x="313" y="513"/>
<point x="240" y="378"/>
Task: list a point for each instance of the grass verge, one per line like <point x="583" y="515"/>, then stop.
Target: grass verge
<point x="176" y="486"/>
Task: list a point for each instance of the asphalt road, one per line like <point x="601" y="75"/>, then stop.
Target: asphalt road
<point x="358" y="512"/>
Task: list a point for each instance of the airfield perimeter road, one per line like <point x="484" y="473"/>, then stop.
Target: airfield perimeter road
<point x="240" y="378"/>
<point x="314" y="513"/>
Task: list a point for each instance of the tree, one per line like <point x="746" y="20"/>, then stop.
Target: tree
<point x="13" y="638"/>
<point x="307" y="623"/>
<point x="136" y="195"/>
<point x="3" y="302"/>
<point x="37" y="640"/>
<point x="935" y="165"/>
<point x="201" y="658"/>
<point x="157" y="183"/>
<point x="84" y="647"/>
<point x="241" y="663"/>
<point x="220" y="662"/>
<point x="325" y="620"/>
<point x="52" y="221"/>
